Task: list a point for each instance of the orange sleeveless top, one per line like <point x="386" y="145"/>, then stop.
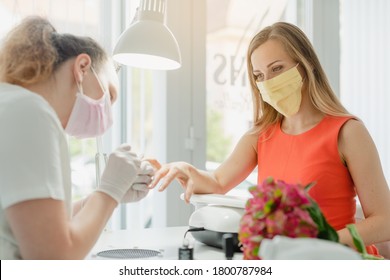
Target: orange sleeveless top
<point x="312" y="157"/>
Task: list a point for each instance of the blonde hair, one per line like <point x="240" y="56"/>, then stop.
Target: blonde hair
<point x="33" y="50"/>
<point x="299" y="48"/>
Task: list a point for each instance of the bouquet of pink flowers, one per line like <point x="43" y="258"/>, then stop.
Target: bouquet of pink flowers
<point x="278" y="208"/>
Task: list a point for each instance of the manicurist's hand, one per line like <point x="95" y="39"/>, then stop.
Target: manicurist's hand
<point x="139" y="189"/>
<point x="120" y="173"/>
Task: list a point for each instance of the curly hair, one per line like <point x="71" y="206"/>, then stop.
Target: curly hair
<point x="33" y="50"/>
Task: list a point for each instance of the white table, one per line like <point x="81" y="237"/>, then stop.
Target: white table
<point x="166" y="240"/>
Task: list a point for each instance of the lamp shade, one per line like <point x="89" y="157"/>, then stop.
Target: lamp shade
<point x="148" y="42"/>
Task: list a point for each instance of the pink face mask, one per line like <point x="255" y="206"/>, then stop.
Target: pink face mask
<point x="90" y="117"/>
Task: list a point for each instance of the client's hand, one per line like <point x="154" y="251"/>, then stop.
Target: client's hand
<point x="170" y="171"/>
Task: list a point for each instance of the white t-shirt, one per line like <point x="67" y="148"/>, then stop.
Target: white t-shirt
<point x="34" y="158"/>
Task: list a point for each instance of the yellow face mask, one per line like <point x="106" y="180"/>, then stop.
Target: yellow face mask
<point x="283" y="92"/>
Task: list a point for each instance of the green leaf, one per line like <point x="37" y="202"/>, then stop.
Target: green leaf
<point x="309" y="186"/>
<point x="253" y="188"/>
<point x="269" y="206"/>
<point x="269" y="180"/>
<point x="357" y="240"/>
<point x="325" y="231"/>
<point x="371" y="257"/>
<point x="255" y="251"/>
<point x="259" y="214"/>
<point x="359" y="244"/>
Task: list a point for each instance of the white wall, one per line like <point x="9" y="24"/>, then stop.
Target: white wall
<point x="365" y="60"/>
<point x="179" y="114"/>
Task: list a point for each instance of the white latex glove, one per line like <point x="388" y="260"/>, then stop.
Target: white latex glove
<point x="121" y="170"/>
<point x="139" y="188"/>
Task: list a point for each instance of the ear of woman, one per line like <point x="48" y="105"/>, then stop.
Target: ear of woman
<point x="81" y="65"/>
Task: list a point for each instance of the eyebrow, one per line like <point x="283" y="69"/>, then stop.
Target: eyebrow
<point x="278" y="60"/>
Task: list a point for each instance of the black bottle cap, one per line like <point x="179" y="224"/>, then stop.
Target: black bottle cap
<point x="228" y="245"/>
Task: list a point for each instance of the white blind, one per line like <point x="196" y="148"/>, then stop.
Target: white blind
<point x="365" y="76"/>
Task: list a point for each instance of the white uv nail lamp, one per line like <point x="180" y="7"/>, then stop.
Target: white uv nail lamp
<point x="217" y="215"/>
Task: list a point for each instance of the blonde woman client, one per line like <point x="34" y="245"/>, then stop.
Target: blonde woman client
<point x="301" y="134"/>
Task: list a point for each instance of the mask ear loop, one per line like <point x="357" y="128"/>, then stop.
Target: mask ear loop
<point x="79" y="86"/>
<point x="100" y="157"/>
<point x="105" y="92"/>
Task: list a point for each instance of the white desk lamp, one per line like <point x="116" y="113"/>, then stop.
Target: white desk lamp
<point x="148" y="42"/>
